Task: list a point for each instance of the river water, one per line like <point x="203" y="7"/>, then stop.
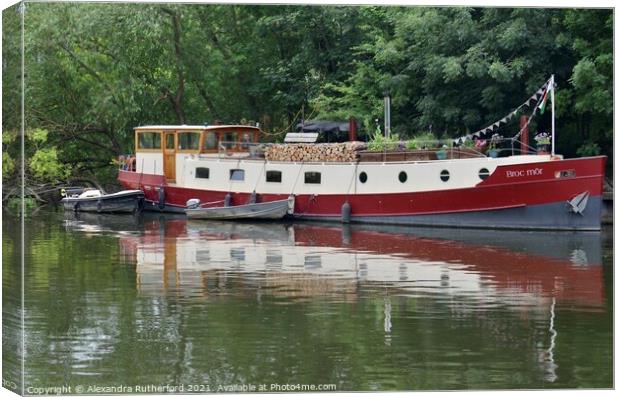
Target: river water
<point x="115" y="302"/>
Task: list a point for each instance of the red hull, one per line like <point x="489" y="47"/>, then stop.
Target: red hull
<point x="509" y="187"/>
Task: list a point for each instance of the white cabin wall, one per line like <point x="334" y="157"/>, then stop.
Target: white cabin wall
<point x="341" y="178"/>
<point x="180" y="165"/>
<point x="150" y="163"/>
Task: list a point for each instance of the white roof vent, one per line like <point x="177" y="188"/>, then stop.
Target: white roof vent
<point x="301" y="137"/>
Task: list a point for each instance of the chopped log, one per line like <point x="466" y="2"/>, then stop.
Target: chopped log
<point x="333" y="152"/>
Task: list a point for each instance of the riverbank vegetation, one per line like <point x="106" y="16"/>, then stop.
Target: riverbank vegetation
<point x="94" y="71"/>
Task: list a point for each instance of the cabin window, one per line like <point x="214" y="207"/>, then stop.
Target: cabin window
<point x="483" y="173"/>
<point x="230" y="140"/>
<point x="444" y="175"/>
<point x="402" y="177"/>
<point x="189" y="140"/>
<point x="237" y="175"/>
<point x="246" y="139"/>
<point x="312" y="177"/>
<point x="363" y="177"/>
<point x="202" y="172"/>
<point x="149" y="140"/>
<point x="273" y="176"/>
<point x="169" y="141"/>
<point x="210" y="141"/>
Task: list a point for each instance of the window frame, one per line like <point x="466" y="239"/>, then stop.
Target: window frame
<point x="273" y="172"/>
<point x="232" y="171"/>
<point x="153" y="149"/>
<point x="178" y="139"/>
<point x="202" y="177"/>
<point x="312" y="173"/>
<point x="233" y="144"/>
<point x="204" y="142"/>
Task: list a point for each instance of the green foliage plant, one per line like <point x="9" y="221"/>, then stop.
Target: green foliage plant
<point x="412" y="144"/>
<point x="589" y="148"/>
<point x="425" y="140"/>
<point x="8" y="162"/>
<point x="45" y="166"/>
<point x="44" y="163"/>
<point x="379" y="142"/>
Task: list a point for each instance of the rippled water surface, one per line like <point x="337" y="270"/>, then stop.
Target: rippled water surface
<point x="158" y="300"/>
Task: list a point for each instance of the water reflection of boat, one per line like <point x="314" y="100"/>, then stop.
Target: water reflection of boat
<point x="92" y="222"/>
<point x="297" y="260"/>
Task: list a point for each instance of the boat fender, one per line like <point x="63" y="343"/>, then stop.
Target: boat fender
<point x="162" y="198"/>
<point x="99" y="205"/>
<point x="76" y="207"/>
<point x="192" y="203"/>
<point x="346" y="234"/>
<point x="253" y="197"/>
<point x="291" y="204"/>
<point x="227" y="200"/>
<point x="346" y="212"/>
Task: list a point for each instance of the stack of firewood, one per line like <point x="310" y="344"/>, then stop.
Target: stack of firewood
<point x="312" y="152"/>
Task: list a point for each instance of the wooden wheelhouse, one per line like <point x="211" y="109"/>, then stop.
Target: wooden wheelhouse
<point x="159" y="147"/>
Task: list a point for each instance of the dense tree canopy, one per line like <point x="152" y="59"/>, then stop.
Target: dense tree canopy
<point x="94" y="71"/>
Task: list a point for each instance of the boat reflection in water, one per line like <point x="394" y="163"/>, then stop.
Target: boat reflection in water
<point x="465" y="276"/>
<point x="520" y="269"/>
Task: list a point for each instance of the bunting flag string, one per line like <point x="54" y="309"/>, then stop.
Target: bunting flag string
<point x="540" y="105"/>
<point x="536" y="99"/>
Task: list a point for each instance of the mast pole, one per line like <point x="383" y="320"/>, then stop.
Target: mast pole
<point x="552" y="83"/>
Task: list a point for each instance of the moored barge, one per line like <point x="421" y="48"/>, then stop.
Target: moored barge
<point x="523" y="190"/>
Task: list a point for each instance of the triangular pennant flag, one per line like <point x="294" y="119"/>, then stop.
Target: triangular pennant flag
<point x="543" y="103"/>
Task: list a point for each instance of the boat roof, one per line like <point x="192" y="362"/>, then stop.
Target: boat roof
<point x="194" y="127"/>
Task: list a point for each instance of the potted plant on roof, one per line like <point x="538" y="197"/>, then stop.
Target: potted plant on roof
<point x="493" y="150"/>
<point x="469" y="144"/>
<point x="442" y="154"/>
<point x="542" y="143"/>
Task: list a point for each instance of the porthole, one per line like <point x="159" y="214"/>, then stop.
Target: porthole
<point x="483" y="173"/>
<point x="363" y="177"/>
<point x="402" y="177"/>
<point x="445" y="175"/>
